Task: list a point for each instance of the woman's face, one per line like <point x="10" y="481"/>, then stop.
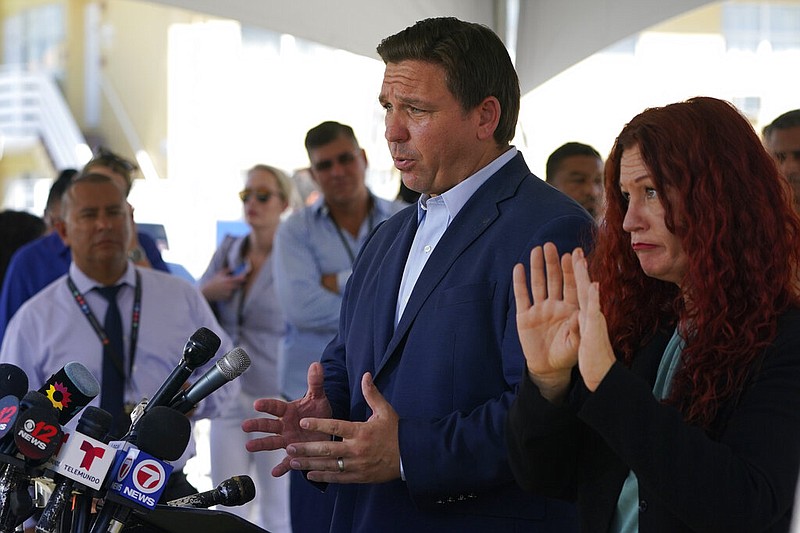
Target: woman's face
<point x="263" y="203"/>
<point x="660" y="253"/>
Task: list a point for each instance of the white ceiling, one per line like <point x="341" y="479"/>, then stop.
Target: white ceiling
<point x="552" y="34"/>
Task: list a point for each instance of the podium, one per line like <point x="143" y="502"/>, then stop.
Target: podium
<point x="167" y="519"/>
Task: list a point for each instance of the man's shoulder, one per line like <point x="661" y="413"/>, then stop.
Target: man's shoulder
<point x="40" y="305"/>
<point x="47" y="247"/>
<point x="304" y="219"/>
<point x="304" y="213"/>
<point x="164" y="281"/>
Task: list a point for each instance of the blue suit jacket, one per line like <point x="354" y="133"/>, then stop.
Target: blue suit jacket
<point x="451" y="367"/>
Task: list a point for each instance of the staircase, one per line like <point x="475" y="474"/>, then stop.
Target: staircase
<point x="32" y="109"/>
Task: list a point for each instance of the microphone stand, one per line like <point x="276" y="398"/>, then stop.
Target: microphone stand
<point x="81" y="513"/>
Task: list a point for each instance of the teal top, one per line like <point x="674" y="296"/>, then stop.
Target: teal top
<point x="626" y="517"/>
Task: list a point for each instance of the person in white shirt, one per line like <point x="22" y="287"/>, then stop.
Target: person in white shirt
<point x="158" y="312"/>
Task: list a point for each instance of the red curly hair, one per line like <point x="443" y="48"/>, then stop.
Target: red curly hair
<point x="732" y="211"/>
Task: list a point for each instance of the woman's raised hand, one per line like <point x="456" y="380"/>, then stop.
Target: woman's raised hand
<point x="548" y="328"/>
<point x="595" y="354"/>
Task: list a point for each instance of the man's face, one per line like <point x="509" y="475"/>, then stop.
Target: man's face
<point x="434" y="143"/>
<point x="96" y="226"/>
<point x="784" y="146"/>
<point x="339" y="168"/>
<point x="581" y="178"/>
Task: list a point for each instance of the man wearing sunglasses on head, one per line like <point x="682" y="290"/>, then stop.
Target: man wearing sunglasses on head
<point x="314" y="253"/>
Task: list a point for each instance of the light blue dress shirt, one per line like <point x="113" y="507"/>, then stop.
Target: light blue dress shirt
<point x="308" y="245"/>
<point x="434" y="215"/>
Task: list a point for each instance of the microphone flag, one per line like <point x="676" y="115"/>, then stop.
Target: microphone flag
<point x="84" y="459"/>
<point x="138" y="477"/>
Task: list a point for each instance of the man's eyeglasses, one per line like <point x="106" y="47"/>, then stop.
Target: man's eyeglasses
<point x="261" y="195"/>
<point x="326" y="164"/>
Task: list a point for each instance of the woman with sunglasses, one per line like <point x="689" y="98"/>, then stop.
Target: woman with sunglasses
<point x="239" y="284"/>
<point x="662" y="389"/>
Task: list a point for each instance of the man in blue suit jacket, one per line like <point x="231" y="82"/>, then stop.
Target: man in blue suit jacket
<point x="416" y="386"/>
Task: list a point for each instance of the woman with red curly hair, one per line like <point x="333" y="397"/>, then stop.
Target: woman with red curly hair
<point x="663" y="377"/>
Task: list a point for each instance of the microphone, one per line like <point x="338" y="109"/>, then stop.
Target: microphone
<point x="227" y="368"/>
<point x="13" y="385"/>
<point x="8" y="449"/>
<point x="36" y="435"/>
<point x="237" y="490"/>
<point x="70" y="390"/>
<point x="84" y="458"/>
<point x="200" y="347"/>
<point x="139" y="475"/>
<point x="13" y="381"/>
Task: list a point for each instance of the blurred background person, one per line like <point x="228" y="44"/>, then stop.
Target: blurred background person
<point x="142" y="249"/>
<point x="782" y="139"/>
<point x="240" y="285"/>
<point x="665" y="396"/>
<point x="52" y="209"/>
<point x="576" y="169"/>
<point x="41" y="262"/>
<point x="16" y="229"/>
<point x="37" y="263"/>
<point x="125" y="324"/>
<point x="314" y="253"/>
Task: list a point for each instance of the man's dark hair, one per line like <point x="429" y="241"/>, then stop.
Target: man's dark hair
<point x="564" y="151"/>
<point x="16" y="229"/>
<point x="58" y="187"/>
<point x="475" y="61"/>
<point x="790" y="119"/>
<point x="327" y="132"/>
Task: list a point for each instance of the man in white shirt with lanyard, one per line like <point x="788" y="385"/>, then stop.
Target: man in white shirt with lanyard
<point x="314" y="253"/>
<point x="157" y="313"/>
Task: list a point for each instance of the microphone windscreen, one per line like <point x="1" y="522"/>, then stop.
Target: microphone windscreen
<point x="70" y="390"/>
<point x="201" y="347"/>
<point x="95" y="423"/>
<point x="37" y="433"/>
<point x="164" y="433"/>
<point x="234" y="363"/>
<point x="34" y="399"/>
<point x="237" y="490"/>
<point x="13" y="381"/>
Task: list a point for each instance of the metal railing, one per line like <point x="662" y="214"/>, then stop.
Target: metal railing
<point x="32" y="107"/>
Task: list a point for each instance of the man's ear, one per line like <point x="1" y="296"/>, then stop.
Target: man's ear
<point x="488" y="117"/>
<point x="61" y="228"/>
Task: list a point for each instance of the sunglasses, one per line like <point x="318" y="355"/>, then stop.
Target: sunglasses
<point x="261" y="195"/>
<point x="343" y="159"/>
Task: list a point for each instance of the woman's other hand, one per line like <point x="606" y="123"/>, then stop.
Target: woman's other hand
<point x="595" y="355"/>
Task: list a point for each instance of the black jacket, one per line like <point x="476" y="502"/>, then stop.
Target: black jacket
<point x="740" y="475"/>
